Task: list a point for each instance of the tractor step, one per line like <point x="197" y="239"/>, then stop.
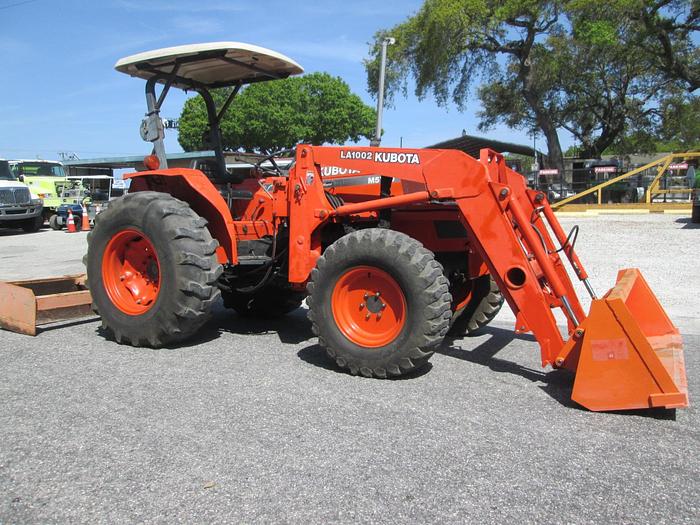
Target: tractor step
<point x="253" y="260"/>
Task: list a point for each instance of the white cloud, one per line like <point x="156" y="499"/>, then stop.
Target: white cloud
<point x="93" y="88"/>
<point x="124" y="46"/>
<point x="169" y="6"/>
<point x="340" y="49"/>
<point x="363" y="8"/>
<point x="197" y="26"/>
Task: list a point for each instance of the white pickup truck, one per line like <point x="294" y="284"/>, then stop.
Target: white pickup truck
<point x="18" y="208"/>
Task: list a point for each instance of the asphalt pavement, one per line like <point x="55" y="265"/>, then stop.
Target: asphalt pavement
<point x="251" y="423"/>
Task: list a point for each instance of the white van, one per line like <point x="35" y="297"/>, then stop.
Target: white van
<point x="17" y="207"/>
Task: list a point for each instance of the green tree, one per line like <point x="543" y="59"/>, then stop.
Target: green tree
<point x="450" y="44"/>
<point x="576" y="65"/>
<point x="680" y="123"/>
<point x="315" y="109"/>
<point x="678" y="129"/>
<point x="663" y="32"/>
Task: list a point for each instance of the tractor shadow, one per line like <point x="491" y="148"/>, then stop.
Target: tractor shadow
<point x="317" y="356"/>
<point x="688" y="224"/>
<point x="558" y="384"/>
<point x="555" y="383"/>
<point x="293" y="328"/>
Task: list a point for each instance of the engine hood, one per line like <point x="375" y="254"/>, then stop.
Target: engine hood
<point x="11" y="184"/>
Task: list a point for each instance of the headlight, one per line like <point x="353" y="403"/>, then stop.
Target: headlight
<point x="37" y="202"/>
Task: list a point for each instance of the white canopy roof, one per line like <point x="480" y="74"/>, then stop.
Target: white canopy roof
<point x="215" y="64"/>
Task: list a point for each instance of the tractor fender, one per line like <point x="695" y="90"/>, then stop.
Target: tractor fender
<point x="194" y="188"/>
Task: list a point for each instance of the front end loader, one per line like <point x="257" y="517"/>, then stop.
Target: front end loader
<point x="392" y="248"/>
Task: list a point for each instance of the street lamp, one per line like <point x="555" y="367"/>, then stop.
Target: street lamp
<point x="388" y="41"/>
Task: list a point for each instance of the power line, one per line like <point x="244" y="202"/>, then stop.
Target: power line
<point x="17" y="4"/>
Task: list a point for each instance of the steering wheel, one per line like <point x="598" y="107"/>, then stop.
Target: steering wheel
<point x="275" y="169"/>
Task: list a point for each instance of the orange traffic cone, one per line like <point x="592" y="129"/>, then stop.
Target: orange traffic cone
<point x="85" y="226"/>
<point x="71" y="222"/>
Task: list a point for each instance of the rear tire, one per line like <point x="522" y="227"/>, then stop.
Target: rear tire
<point x="413" y="300"/>
<point x="171" y="274"/>
<point x="485" y="302"/>
<point x="268" y="302"/>
<point x="53" y="223"/>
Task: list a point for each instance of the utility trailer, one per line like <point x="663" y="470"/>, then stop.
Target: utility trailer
<point x="391" y="247"/>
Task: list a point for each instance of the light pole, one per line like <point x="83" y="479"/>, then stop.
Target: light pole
<point x="380" y="95"/>
<point x="535" y="164"/>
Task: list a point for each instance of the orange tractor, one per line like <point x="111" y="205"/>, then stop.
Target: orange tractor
<point x="392" y="248"/>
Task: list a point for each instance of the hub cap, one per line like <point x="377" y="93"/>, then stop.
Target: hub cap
<point x="131" y="272"/>
<point x="369" y="306"/>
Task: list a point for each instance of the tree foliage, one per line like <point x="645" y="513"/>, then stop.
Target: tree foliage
<point x="315" y="109"/>
<point x="591" y="67"/>
<point x="678" y="129"/>
<point x="663" y="36"/>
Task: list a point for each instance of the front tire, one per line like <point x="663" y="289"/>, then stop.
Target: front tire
<point x="152" y="269"/>
<point x="379" y="303"/>
<point x="33" y="225"/>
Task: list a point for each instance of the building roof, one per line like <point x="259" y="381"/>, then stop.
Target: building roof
<point x="471" y="145"/>
<point x="133" y="161"/>
<point x="234" y="159"/>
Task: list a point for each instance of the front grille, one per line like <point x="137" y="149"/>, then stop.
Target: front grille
<point x="15" y="196"/>
<point x="7" y="196"/>
<point x="22" y="196"/>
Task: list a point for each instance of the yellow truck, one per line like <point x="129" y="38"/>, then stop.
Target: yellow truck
<point x="47" y="181"/>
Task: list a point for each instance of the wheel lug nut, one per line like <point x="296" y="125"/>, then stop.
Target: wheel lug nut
<point x="377" y="294"/>
<point x="379" y="315"/>
<point x="362" y="305"/>
<point x="366" y="296"/>
<point x="122" y="277"/>
<point x="367" y="316"/>
<point x="383" y="306"/>
<point x="138" y="301"/>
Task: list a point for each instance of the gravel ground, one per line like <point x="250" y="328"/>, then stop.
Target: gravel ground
<point x="252" y="423"/>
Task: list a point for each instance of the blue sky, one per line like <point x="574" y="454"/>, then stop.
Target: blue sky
<point x="59" y="91"/>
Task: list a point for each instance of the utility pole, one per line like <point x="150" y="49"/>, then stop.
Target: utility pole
<point x="380" y="95"/>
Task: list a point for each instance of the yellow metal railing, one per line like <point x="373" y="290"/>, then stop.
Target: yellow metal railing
<point x="663" y="163"/>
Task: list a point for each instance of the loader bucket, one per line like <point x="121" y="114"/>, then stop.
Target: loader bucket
<point x="630" y="354"/>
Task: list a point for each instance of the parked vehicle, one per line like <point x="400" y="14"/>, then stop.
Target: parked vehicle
<point x="18" y="208"/>
<point x="46" y="179"/>
<point x="91" y="191"/>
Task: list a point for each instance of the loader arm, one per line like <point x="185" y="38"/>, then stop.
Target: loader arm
<point x="495" y="209"/>
<point x="518" y="236"/>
